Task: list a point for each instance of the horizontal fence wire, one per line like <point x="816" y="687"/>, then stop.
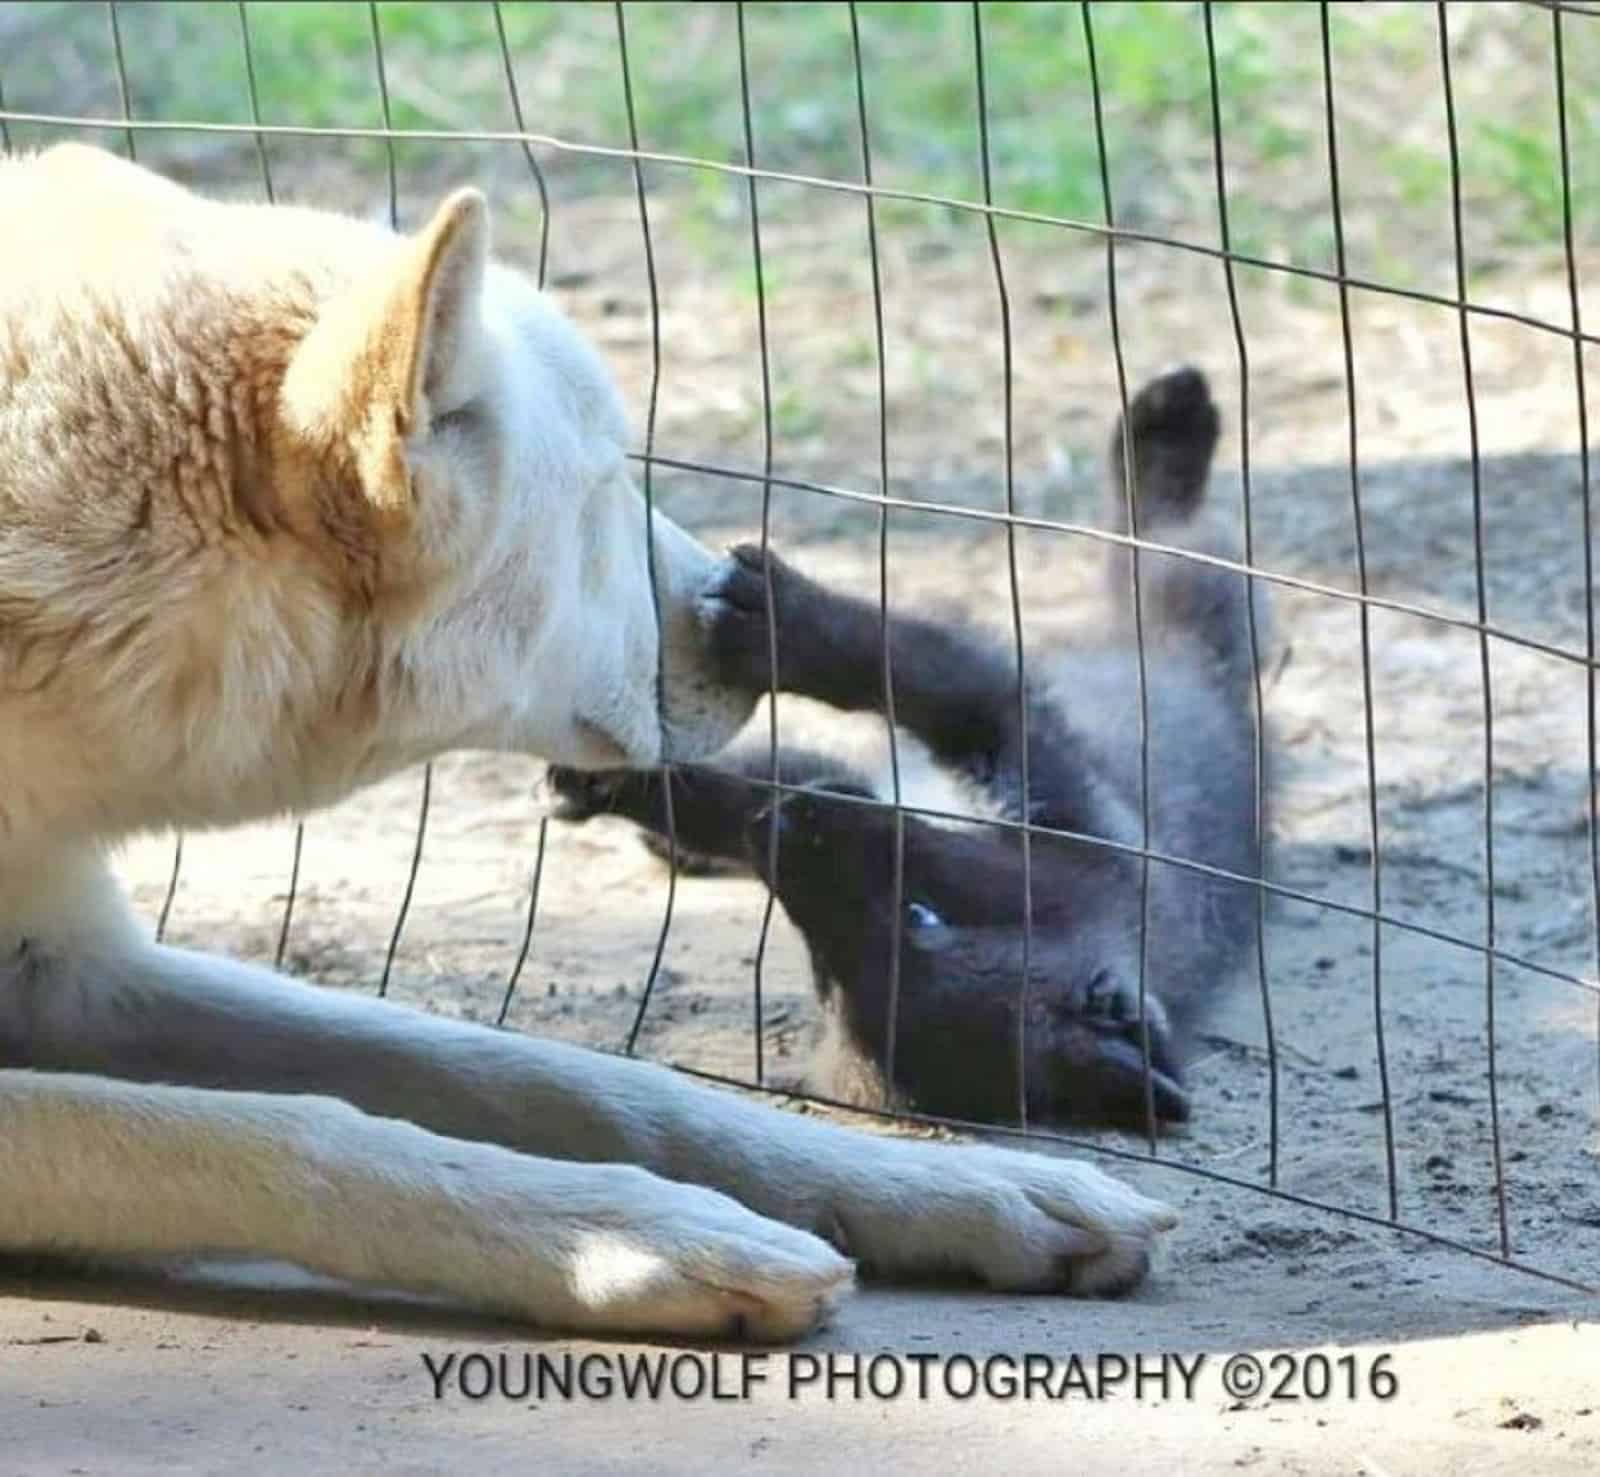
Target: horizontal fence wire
<point x="1154" y="546"/>
<point x="1028" y="831"/>
<point x="1568" y="7"/>
<point x="1192" y="1168"/>
<point x="81" y="121"/>
<point x="1205" y="869"/>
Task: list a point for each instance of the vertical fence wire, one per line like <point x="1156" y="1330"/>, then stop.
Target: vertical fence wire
<point x="758" y="1008"/>
<point x="1363" y="607"/>
<point x="124" y="92"/>
<point x="529" y="157"/>
<point x="1132" y="513"/>
<point x="649" y="514"/>
<point x="388" y="114"/>
<point x="530" y="918"/>
<point x="1484" y="663"/>
<point x="1260" y="755"/>
<point x="880" y="359"/>
<point x="5" y="128"/>
<point x="172" y="887"/>
<point x="287" y="920"/>
<point x="1026" y="808"/>
<point x="1581" y="395"/>
<point x="514" y="978"/>
<point x="427" y="769"/>
<point x="255" y="104"/>
<point x="265" y="165"/>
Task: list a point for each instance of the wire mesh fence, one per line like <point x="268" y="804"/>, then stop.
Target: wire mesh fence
<point x="141" y="130"/>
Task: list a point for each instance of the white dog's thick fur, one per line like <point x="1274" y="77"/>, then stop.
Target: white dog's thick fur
<point x="287" y="502"/>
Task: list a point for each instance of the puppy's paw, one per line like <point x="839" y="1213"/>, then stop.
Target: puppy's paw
<point x="1016" y="1222"/>
<point x="1175" y="407"/>
<point x="579" y="794"/>
<point x="1173" y="426"/>
<point x="732" y="612"/>
<point x="1102" y="1052"/>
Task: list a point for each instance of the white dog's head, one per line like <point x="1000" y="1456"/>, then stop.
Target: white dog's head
<point x="294" y="502"/>
<point x="513" y="580"/>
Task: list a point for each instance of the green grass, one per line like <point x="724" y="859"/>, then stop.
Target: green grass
<point x="315" y="64"/>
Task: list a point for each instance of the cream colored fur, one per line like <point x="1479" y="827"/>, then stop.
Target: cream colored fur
<point x="288" y="502"/>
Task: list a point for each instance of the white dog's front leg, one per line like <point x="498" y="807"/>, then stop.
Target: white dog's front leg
<point x="1015" y="1221"/>
<point x="118" y="1169"/>
<point x="903" y="1207"/>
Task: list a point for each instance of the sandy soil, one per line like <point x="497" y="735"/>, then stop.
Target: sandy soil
<point x="162" y="1377"/>
<point x="1495" y="1367"/>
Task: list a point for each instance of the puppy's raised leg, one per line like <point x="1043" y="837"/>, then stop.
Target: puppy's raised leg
<point x="957" y="689"/>
<point x="1173" y="426"/>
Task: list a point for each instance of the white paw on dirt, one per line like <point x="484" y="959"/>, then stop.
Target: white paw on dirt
<point x="698" y="1264"/>
<point x="1014" y="1221"/>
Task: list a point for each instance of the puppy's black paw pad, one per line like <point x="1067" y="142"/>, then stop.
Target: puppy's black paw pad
<point x="581" y="793"/>
<point x="1106" y="1010"/>
<point x="732" y="611"/>
<point x="1175" y="405"/>
<point x="1109" y="1002"/>
<point x="741" y="578"/>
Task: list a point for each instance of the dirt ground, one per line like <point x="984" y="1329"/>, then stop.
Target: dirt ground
<point x="130" y="1372"/>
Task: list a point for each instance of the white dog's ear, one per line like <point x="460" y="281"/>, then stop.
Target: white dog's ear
<point x="434" y="315"/>
<point x="391" y="354"/>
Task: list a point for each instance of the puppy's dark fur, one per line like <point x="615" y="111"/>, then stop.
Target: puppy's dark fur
<point x="956" y="1029"/>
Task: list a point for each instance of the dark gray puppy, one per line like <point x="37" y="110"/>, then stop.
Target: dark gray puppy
<point x="956" y="1043"/>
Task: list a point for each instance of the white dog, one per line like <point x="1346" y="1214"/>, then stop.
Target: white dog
<point x="288" y="502"/>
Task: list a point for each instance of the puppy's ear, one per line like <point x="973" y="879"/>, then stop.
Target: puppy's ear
<point x="391" y="354"/>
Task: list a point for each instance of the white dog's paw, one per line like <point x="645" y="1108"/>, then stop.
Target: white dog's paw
<point x="595" y="1248"/>
<point x="690" y="1261"/>
<point x="708" y="1268"/>
<point x="1017" y="1222"/>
